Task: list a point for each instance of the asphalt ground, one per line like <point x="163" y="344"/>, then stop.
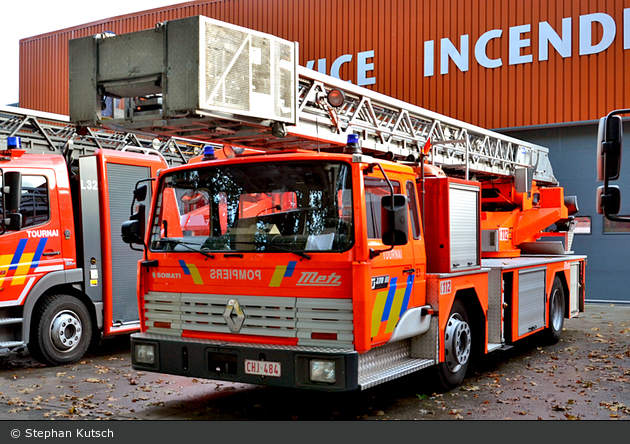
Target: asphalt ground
<point x="585" y="376"/>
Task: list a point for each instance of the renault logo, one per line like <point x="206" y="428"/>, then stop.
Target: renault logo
<point x="234" y="315"/>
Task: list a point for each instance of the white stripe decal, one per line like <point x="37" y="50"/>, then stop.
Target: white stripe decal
<point x="26" y="289"/>
<point x="49" y="268"/>
<point x="23" y="295"/>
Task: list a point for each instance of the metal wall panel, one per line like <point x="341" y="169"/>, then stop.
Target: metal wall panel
<point x="563" y="88"/>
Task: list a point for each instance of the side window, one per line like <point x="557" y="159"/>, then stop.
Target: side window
<point x="34" y="205"/>
<point x="375" y="189"/>
<point x="413" y="209"/>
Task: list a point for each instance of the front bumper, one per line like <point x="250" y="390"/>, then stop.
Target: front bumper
<point x="226" y="361"/>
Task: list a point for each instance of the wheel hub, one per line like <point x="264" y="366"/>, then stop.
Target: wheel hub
<point x="457" y="342"/>
<point x="66" y="331"/>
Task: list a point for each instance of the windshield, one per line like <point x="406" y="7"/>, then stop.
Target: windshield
<point x="278" y="206"/>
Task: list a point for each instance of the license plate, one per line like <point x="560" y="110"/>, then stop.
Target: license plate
<point x="262" y="368"/>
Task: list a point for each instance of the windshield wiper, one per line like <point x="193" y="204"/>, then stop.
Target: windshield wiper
<point x="303" y="254"/>
<point x="188" y="246"/>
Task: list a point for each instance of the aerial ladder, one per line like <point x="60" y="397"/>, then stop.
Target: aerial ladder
<point x="311" y="111"/>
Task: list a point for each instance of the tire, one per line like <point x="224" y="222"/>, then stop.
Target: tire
<point x="556" y="312"/>
<point x="458" y="349"/>
<point x="61" y="331"/>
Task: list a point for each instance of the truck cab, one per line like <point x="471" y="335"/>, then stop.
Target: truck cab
<point x="298" y="251"/>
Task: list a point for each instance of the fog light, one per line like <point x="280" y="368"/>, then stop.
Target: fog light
<point x="323" y="371"/>
<point x="145" y="354"/>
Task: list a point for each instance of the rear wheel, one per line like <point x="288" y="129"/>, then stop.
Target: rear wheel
<point x="62" y="330"/>
<point x="457" y="348"/>
<point x="556" y="312"/>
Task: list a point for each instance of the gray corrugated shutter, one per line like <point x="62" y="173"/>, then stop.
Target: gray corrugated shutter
<point x="464" y="217"/>
<point x="531" y="299"/>
<point x="122" y="181"/>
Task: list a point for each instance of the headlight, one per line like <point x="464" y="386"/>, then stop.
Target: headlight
<point x="145" y="354"/>
<point x="322" y="371"/>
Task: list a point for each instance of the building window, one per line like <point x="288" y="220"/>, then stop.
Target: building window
<point x="614" y="227"/>
<point x="582" y="225"/>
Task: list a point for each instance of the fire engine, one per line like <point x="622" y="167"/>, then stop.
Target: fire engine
<point x="333" y="238"/>
<point x="66" y="277"/>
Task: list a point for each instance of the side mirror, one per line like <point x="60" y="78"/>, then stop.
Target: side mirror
<point x="12" y="190"/>
<point x="609" y="137"/>
<point x="611" y="201"/>
<point x="394" y="219"/>
<point x="572" y="204"/>
<point x="132" y="231"/>
<point x="140" y="193"/>
<point x="13" y="221"/>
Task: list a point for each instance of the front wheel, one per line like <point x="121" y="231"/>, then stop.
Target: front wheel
<point x="556" y="312"/>
<point x="457" y="348"/>
<point x="62" y="330"/>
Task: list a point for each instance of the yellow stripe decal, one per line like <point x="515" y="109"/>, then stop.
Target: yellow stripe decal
<point x="194" y="273"/>
<point x="377" y="311"/>
<point x="276" y="280"/>
<point x="393" y="314"/>
<point x="22" y="269"/>
<point x="5" y="261"/>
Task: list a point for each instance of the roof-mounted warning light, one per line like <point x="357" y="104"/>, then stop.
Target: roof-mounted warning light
<point x="13" y="150"/>
<point x="14" y="142"/>
<point x="353" y="146"/>
<point x="336" y="97"/>
<point x="208" y="153"/>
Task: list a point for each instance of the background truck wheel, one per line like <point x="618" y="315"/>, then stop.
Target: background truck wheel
<point x="457" y="348"/>
<point x="62" y="330"/>
<point x="556" y="312"/>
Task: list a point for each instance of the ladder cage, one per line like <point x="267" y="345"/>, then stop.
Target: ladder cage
<point x="388" y="128"/>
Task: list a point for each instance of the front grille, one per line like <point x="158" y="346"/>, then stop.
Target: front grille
<point x="171" y="313"/>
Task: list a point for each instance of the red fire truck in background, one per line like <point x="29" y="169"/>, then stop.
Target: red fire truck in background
<point x="366" y="239"/>
<point x="66" y="278"/>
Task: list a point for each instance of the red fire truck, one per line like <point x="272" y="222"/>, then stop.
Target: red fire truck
<point x="366" y="240"/>
<point x="66" y="277"/>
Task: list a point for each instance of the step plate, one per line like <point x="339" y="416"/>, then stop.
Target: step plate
<point x="388" y="362"/>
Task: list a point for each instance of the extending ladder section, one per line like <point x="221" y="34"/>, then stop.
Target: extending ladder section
<point x="217" y="82"/>
<point x="397" y="129"/>
<point x="48" y="133"/>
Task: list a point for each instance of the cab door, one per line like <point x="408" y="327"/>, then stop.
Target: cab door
<point x="34" y="250"/>
<point x="392" y="272"/>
